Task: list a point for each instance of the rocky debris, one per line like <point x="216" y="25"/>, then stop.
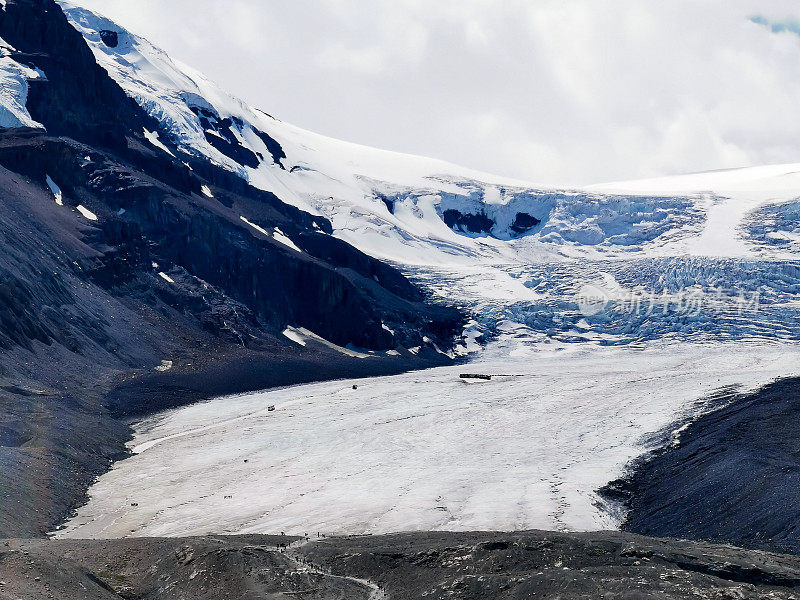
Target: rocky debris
<point x="491" y="566"/>
<point x="733" y="476"/>
<point x="555" y="565"/>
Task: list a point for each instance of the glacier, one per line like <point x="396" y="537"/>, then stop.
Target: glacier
<point x="620" y="309"/>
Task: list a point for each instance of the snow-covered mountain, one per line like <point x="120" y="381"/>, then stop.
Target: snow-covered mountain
<point x="415" y="210"/>
<point x="509" y="250"/>
<point x="419" y="211"/>
<point x="404" y="208"/>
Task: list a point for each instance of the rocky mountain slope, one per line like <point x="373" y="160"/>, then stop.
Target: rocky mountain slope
<point x="731" y="477"/>
<point x="410" y="566"/>
<point x="132" y="280"/>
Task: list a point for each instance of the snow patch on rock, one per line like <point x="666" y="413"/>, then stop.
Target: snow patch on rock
<point x="86" y="212"/>
<point x="59" y="197"/>
<point x="258" y="228"/>
<point x="301" y="335"/>
<point x="152" y="137"/>
<point x="295" y="336"/>
<point x="284" y="239"/>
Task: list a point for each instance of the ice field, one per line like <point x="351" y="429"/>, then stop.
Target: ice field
<point x="418" y="451"/>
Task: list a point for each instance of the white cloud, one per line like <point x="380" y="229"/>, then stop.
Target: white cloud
<point x="362" y="60"/>
<point x="571" y="91"/>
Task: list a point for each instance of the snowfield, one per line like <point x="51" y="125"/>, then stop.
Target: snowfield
<point x="421" y="451"/>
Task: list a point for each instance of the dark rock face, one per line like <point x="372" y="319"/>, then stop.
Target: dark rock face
<point x="110" y="38"/>
<point x="734" y="477"/>
<point x="330" y="288"/>
<point x="219" y="134"/>
<point x="273" y="146"/>
<point x="477" y="223"/>
<point x="481" y="223"/>
<point x="78" y="99"/>
<point x="524" y="222"/>
<point x="148" y="201"/>
<point x="469" y="566"/>
<point x="388" y="202"/>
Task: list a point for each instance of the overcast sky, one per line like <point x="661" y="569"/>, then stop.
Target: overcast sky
<point x="552" y="91"/>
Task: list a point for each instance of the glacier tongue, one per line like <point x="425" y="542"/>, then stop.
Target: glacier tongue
<point x="420" y="451"/>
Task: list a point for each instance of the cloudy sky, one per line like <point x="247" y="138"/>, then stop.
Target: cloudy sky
<point x="552" y="91"/>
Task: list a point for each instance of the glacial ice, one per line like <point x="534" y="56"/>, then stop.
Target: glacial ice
<point x="622" y="306"/>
